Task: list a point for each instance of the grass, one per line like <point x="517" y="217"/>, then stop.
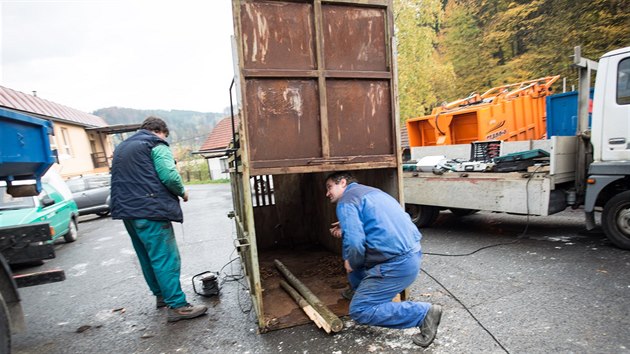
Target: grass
<point x="207" y="181"/>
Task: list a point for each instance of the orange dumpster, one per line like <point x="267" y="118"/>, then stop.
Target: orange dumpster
<point x="509" y="112"/>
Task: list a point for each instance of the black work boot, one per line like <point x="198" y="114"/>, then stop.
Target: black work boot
<point x="429" y="327"/>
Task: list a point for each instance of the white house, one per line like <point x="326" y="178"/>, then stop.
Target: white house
<point x="214" y="149"/>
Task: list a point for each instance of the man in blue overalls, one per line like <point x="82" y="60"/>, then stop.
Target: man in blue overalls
<point x="145" y="193"/>
<point x="382" y="254"/>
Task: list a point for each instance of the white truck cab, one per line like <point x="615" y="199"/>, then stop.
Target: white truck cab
<point x="611" y="107"/>
<point x="608" y="183"/>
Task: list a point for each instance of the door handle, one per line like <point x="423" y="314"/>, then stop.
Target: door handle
<point x="616" y="141"/>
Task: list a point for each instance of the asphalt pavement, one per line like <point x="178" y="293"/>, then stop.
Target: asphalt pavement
<point x="543" y="285"/>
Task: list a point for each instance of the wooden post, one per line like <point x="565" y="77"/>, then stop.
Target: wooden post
<point x="328" y="316"/>
<point x="306" y="307"/>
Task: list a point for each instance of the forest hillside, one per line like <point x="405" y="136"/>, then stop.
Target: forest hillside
<point x="187" y="128"/>
<point x="450" y="48"/>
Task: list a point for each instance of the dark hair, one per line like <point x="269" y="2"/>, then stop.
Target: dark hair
<point x="339" y="175"/>
<point x="155" y="124"/>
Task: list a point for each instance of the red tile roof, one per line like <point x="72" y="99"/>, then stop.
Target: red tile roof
<point x="32" y="104"/>
<point x="221" y="135"/>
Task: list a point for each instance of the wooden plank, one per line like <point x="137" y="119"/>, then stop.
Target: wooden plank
<point x="321" y="168"/>
<point x="328" y="316"/>
<point x="39" y="278"/>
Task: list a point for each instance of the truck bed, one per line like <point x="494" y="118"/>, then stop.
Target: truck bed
<point x="533" y="192"/>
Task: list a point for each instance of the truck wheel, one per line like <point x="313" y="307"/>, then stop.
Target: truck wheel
<point x="5" y="328"/>
<point x="422" y="215"/>
<point x="463" y="212"/>
<point x="73" y="231"/>
<point x="616" y="220"/>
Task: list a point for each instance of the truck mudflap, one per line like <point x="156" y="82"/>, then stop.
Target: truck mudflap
<point x="594" y="189"/>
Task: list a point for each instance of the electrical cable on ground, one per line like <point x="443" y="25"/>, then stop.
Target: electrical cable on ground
<point x="467" y="310"/>
<point x="518" y="239"/>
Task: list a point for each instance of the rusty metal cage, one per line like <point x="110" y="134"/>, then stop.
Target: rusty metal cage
<point x="316" y="80"/>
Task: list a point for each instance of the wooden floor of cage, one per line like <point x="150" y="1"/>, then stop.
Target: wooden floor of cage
<point x="320" y="270"/>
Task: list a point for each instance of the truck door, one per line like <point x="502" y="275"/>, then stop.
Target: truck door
<point x="616" y="113"/>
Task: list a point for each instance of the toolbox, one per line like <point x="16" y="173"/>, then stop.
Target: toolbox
<point x="519" y="161"/>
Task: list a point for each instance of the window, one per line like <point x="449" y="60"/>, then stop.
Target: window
<point x="623" y="82"/>
<point x="66" y="149"/>
<point x="224" y="165"/>
<point x="53" y="142"/>
<point x="7" y="202"/>
<point x="76" y="185"/>
<point x="94" y="182"/>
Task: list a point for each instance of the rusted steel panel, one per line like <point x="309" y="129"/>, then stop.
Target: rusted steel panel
<point x="277" y="35"/>
<point x="354" y="38"/>
<point x="359" y="116"/>
<point x="317" y="83"/>
<point x="283" y="119"/>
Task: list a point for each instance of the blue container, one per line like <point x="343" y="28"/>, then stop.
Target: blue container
<point x="24" y="146"/>
<point x="562" y="113"/>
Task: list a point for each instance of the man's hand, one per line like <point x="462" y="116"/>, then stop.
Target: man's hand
<point x="335" y="230"/>
<point x="185" y="196"/>
<point x="346" y="265"/>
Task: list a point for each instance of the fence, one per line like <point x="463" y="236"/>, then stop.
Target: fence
<point x="197" y="175"/>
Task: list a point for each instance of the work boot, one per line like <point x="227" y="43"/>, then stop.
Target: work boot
<point x="185" y="312"/>
<point x="348" y="294"/>
<point x="159" y="302"/>
<point x="429" y="327"/>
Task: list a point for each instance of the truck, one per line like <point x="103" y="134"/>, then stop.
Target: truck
<point x="590" y="169"/>
<point x="25" y="156"/>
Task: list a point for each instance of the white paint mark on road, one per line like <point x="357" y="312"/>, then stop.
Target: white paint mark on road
<point x="110" y="262"/>
<point x="78" y="270"/>
<point x="127" y="251"/>
<point x="106" y="238"/>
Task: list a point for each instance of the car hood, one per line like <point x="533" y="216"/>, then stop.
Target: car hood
<point x="18" y="216"/>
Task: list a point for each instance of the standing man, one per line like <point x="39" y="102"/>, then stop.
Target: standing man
<point x="382" y="254"/>
<point x="145" y="194"/>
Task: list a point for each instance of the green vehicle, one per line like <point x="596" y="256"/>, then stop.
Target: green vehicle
<point x="54" y="205"/>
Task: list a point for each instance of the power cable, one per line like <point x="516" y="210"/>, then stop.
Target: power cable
<point x="467" y="310"/>
<point x="519" y="238"/>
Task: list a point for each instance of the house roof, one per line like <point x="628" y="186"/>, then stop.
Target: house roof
<point x="32" y="104"/>
<point x="221" y="135"/>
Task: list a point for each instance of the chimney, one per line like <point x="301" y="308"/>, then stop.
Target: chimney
<point x="35" y="93"/>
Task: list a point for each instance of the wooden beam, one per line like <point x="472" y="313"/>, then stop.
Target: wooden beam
<point x="306" y="307"/>
<point x="328" y="316"/>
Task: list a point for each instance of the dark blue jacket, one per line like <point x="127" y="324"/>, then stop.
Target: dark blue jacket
<point x="375" y="227"/>
<point x="136" y="191"/>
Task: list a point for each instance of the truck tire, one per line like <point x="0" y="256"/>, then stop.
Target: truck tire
<point x="616" y="220"/>
<point x="463" y="212"/>
<point x="422" y="215"/>
<point x="5" y="328"/>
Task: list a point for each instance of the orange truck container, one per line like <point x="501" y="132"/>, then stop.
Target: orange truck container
<point x="510" y="113"/>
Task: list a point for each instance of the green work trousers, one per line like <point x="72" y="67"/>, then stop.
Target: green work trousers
<point x="155" y="245"/>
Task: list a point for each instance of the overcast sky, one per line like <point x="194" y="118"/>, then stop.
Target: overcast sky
<point x="91" y="54"/>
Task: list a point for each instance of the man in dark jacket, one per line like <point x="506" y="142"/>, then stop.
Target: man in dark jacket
<point x="382" y="254"/>
<point x="145" y="193"/>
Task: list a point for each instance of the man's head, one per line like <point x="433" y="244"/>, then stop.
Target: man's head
<point x="336" y="184"/>
<point x="155" y="125"/>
